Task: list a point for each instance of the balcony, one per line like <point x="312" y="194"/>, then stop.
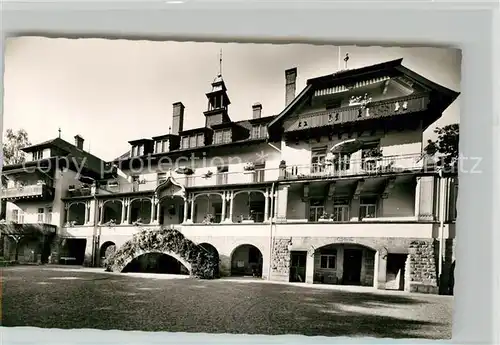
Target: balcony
<point x="373" y="110"/>
<point x="29" y="192"/>
<point x="352" y="167"/>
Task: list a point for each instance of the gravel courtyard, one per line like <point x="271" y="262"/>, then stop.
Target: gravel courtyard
<point x="46" y="297"/>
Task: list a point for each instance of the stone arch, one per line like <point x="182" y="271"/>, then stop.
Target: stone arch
<point x="247" y="259"/>
<point x="177" y="257"/>
<point x="346" y="262"/>
<point x="165" y="241"/>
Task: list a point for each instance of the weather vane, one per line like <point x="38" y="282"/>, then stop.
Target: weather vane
<point x="59" y="130"/>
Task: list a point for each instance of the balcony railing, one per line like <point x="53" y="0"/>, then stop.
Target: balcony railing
<point x="30" y="191"/>
<point x="379" y="109"/>
<point x="353" y="167"/>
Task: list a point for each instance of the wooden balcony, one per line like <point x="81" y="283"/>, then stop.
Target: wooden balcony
<point x="352" y="167"/>
<point x="38" y="191"/>
<point x="373" y="110"/>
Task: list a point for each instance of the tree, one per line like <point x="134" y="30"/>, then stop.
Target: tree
<point x="445" y="147"/>
<point x="12" y="145"/>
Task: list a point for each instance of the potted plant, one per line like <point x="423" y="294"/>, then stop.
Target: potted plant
<point x="208" y="174"/>
<point x="138" y="222"/>
<point x="209" y="219"/>
<point x="111" y="223"/>
<point x="248" y="219"/>
<point x="325" y="217"/>
<point x="249" y="167"/>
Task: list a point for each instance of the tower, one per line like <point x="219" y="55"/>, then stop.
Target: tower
<point x="218" y="101"/>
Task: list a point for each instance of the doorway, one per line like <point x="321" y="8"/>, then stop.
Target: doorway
<point x="298" y="266"/>
<point x="352" y="266"/>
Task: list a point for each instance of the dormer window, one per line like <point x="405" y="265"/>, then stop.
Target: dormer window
<point x="222" y="136"/>
<point x="192" y="141"/>
<point x="162" y="146"/>
<point x="258" y="131"/>
<point x="37" y="155"/>
<point x="137" y="150"/>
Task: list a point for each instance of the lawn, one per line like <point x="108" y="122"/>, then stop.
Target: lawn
<point x="44" y="297"/>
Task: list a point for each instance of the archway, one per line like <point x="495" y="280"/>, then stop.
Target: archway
<point x="213" y="251"/>
<point x="107" y="249"/>
<point x="171" y="210"/>
<point x="344" y="264"/>
<point x="246" y="260"/>
<point x="156" y="262"/>
<point x="208" y="208"/>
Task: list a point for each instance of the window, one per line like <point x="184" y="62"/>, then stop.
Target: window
<point x="222" y="173"/>
<point x="218" y="137"/>
<point x="341" y="211"/>
<point x="318" y="159"/>
<point x="137" y="150"/>
<point x="161" y="146"/>
<point x="368" y="208"/>
<point x="316" y="210"/>
<point x="192" y="141"/>
<point x="48" y="218"/>
<point x="329" y="261"/>
<point x="135" y="183"/>
<point x="15" y="216"/>
<point x="260" y="171"/>
<point x="185" y="143"/>
<point x="258" y="131"/>
<point x="41" y="212"/>
<point x="37" y="155"/>
<point x="342" y="161"/>
<point x="200" y="139"/>
<point x="161" y="177"/>
<point x="226" y="136"/>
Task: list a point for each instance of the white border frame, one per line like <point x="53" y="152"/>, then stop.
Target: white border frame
<point x="472" y="26"/>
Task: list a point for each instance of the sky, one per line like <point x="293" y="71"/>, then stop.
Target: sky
<point x="114" y="91"/>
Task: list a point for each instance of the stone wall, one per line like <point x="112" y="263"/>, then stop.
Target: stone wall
<point x="422" y="267"/>
<point x="280" y="259"/>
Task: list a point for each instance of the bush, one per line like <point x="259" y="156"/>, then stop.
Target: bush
<point x="203" y="263"/>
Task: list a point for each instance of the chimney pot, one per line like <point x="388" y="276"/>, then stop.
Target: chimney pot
<point x="177" y="118"/>
<point x="290" y="85"/>
<point x="256" y="110"/>
<point x="79" y="141"/>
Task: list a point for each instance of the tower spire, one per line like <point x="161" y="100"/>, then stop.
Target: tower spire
<point x="220" y="63"/>
<point x="59" y="130"/>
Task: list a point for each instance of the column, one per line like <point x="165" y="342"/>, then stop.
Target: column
<point x="129" y="212"/>
<point x="126" y="210"/>
<point x="156" y="212"/>
<point x="124" y="215"/>
<point x="426" y="196"/>
<point x="380" y="269"/>
<point x="231" y="205"/>
<point x="266" y="205"/>
<point x="310" y="266"/>
<point x="186" y="205"/>
<point x="153" y="207"/>
<point x="85" y="217"/>
<point x="282" y="203"/>
<point x="101" y="212"/>
<point x="223" y="216"/>
<point x="192" y="208"/>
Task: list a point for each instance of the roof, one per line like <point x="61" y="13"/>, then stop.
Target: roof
<point x="394" y="66"/>
<point x="90" y="161"/>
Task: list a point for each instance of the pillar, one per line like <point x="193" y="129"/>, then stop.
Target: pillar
<point x="223" y="216"/>
<point x="380" y="269"/>
<point x="155" y="210"/>
<point x="124" y="214"/>
<point x="266" y="205"/>
<point x="282" y="203"/>
<point x="192" y="208"/>
<point x="101" y="213"/>
<point x="425" y="198"/>
<point x="185" y="216"/>
<point x="231" y="206"/>
<point x="310" y="267"/>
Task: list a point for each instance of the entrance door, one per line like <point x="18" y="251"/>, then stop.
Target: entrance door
<point x="298" y="267"/>
<point x="352" y="266"/>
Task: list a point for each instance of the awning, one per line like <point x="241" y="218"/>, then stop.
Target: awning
<point x="347" y="146"/>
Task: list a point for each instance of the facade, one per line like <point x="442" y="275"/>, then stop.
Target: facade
<point x="333" y="190"/>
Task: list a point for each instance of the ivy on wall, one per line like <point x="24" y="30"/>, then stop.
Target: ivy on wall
<point x="203" y="263"/>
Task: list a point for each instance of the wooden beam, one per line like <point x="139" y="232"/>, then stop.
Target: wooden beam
<point x="388" y="187"/>
<point x="359" y="188"/>
<point x="331" y="190"/>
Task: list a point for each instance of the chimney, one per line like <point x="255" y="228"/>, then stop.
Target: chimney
<point x="290" y="79"/>
<point x="177" y="118"/>
<point x="79" y="141"/>
<point x="256" y="110"/>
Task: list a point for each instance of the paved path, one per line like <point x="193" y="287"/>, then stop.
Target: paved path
<point x="89" y="298"/>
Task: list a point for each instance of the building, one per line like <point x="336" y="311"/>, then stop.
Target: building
<point x="333" y="190"/>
